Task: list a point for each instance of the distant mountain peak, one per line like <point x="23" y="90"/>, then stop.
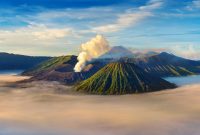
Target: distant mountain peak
<point x="117" y="52"/>
<point x="118" y="47"/>
<point x="166" y="53"/>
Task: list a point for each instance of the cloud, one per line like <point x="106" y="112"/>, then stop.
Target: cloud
<point x="147" y="50"/>
<point x="152" y="4"/>
<point x="2" y="40"/>
<point x="186" y="51"/>
<point x="47" y="31"/>
<point x="123" y="21"/>
<point x="195" y="4"/>
<point x="193" y="32"/>
<point x="20" y="29"/>
<point x="76" y="14"/>
<point x="49" y="108"/>
<point x="36" y="32"/>
<point x="130" y="17"/>
<point x="44" y="33"/>
<point x="36" y="40"/>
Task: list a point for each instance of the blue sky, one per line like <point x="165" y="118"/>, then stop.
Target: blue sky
<point x="58" y="27"/>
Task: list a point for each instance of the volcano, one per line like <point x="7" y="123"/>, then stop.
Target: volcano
<point x="117" y="52"/>
<point x="122" y="78"/>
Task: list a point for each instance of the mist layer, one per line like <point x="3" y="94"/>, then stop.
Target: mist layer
<point x="48" y="108"/>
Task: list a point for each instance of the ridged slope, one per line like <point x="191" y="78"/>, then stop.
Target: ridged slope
<point x="165" y="65"/>
<point x="56" y="63"/>
<point x="122" y="78"/>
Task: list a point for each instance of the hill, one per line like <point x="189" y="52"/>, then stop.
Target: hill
<point x="165" y="65"/>
<point x="122" y="78"/>
<point x="62" y="64"/>
<point x="19" y="62"/>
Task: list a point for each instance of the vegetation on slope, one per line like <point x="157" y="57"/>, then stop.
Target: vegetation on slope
<point x="165" y="65"/>
<point x="122" y="78"/>
<point x="52" y="64"/>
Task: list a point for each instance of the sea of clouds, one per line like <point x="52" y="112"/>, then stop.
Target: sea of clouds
<point x="49" y="108"/>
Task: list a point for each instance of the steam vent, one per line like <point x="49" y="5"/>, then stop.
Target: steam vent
<point x="122" y="78"/>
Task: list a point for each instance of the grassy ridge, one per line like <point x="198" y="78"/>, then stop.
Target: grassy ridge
<point x="48" y="65"/>
<point x="169" y="70"/>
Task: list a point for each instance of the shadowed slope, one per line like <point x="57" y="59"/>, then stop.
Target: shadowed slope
<point x="122" y="78"/>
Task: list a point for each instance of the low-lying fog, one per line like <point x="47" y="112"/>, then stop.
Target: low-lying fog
<point x="48" y="108"/>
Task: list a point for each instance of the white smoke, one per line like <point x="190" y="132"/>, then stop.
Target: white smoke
<point x="91" y="49"/>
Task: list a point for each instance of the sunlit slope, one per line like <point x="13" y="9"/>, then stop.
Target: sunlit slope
<point x="62" y="63"/>
<point x="122" y="78"/>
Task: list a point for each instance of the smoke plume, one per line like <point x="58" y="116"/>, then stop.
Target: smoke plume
<point x="91" y="49"/>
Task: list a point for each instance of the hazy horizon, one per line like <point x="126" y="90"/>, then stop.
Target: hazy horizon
<point x="134" y="51"/>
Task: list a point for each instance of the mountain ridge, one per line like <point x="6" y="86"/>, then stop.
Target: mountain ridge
<point x="166" y="64"/>
<point x="157" y="65"/>
<point x="10" y="61"/>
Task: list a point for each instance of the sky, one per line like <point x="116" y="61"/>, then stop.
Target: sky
<point x="59" y="27"/>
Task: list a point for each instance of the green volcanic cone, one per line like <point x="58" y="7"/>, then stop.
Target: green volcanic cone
<point x="122" y="78"/>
